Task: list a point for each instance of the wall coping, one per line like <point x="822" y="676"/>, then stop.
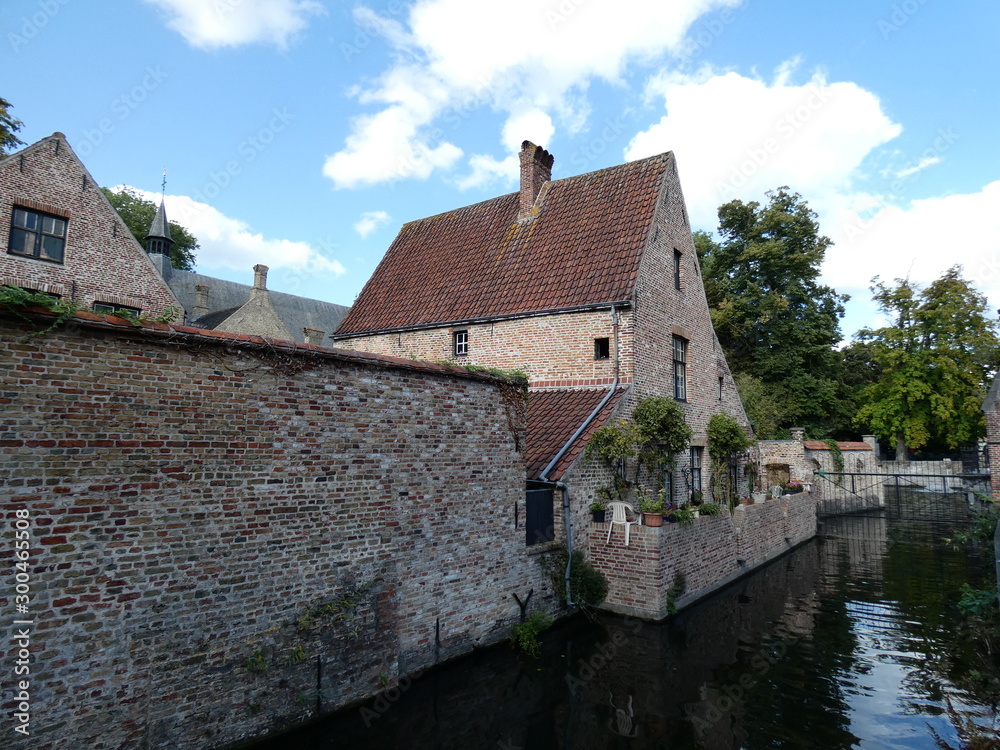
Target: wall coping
<point x="165" y="333"/>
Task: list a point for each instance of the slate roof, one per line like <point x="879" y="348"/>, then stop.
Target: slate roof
<point x="160" y="227"/>
<point x="819" y="445"/>
<point x="226" y="297"/>
<point x="582" y="247"/>
<point x="553" y="417"/>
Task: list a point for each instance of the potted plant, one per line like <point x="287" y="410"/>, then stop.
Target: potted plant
<point x="793" y="487"/>
<point x="709" y="509"/>
<point x="652" y="512"/>
<point x="696" y="497"/>
<point x="684" y="515"/>
<point x="598" y="508"/>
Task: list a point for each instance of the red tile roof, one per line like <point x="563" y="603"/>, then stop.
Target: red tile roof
<point x="819" y="445"/>
<point x="553" y="417"/>
<point x="582" y="247"/>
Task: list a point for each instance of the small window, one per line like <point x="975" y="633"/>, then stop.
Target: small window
<point x="602" y="348"/>
<point x="720" y="388"/>
<point x="697" y="455"/>
<point x="461" y="343"/>
<point x="677" y="269"/>
<point x="680" y="368"/>
<point x="668" y="484"/>
<point x="37" y="235"/>
<point x="113" y="309"/>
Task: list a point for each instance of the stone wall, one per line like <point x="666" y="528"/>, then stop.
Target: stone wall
<point x="102" y="262"/>
<point x="709" y="553"/>
<point x="229" y="535"/>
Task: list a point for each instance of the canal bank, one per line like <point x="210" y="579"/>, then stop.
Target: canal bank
<point x="851" y="639"/>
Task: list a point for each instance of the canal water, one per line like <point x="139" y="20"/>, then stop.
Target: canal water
<point x="851" y="641"/>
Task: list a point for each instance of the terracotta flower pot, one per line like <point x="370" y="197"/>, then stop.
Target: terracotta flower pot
<point x="652" y="519"/>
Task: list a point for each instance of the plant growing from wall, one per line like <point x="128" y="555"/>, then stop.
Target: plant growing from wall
<point x="836" y="454"/>
<point x="677" y="588"/>
<point x="338" y="610"/>
<point x="727" y="441"/>
<point x="16" y="299"/>
<point x="257" y="662"/>
<point x="587" y="585"/>
<point x="524" y="635"/>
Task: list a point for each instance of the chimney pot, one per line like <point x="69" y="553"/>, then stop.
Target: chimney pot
<point x="536" y="170"/>
<point x="798" y="433"/>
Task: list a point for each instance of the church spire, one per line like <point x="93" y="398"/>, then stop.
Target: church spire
<point x="158" y="241"/>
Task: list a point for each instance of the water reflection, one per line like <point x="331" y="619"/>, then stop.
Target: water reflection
<point x="846" y="642"/>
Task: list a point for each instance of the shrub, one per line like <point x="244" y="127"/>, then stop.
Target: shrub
<point x="587" y="585"/>
<point x="525" y="635"/>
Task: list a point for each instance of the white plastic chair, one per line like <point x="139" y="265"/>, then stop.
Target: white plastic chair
<point x="620" y="515"/>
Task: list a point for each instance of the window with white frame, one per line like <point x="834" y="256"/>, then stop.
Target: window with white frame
<point x="460" y="343"/>
<point x="680" y="368"/>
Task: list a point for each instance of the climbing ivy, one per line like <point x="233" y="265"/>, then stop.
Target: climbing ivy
<point x="836" y="454"/>
<point x="16" y="299"/>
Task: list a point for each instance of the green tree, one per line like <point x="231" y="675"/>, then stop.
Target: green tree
<point x="138" y="213"/>
<point x="8" y="126"/>
<point x="774" y="319"/>
<point x="934" y="363"/>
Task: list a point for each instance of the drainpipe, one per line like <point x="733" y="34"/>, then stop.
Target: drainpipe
<point x="562" y="451"/>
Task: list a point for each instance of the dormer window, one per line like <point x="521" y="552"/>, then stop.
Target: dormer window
<point x="460" y="343"/>
<point x="34" y="234"/>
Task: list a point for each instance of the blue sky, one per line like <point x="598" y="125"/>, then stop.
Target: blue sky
<point x="302" y="134"/>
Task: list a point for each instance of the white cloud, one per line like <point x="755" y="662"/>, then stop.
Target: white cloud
<point x="920" y="240"/>
<point x="531" y="60"/>
<point x="210" y="24"/>
<point x="912" y="169"/>
<point x="534" y="125"/>
<point x="737" y="137"/>
<point x="370" y="221"/>
<point x="226" y="242"/>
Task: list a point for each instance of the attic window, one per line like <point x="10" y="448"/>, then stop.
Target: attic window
<point x="602" y="348"/>
<point x="37" y="235"/>
<point x="677" y="269"/>
<point x="460" y="343"/>
<point x="109" y="308"/>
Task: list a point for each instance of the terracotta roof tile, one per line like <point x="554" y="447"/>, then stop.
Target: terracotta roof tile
<point x="583" y="247"/>
<point x="819" y="445"/>
<point x="553" y="417"/>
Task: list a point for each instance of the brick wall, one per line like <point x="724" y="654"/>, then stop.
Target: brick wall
<point x="554" y="350"/>
<point x="993" y="446"/>
<point x="710" y="553"/>
<point x="102" y="261"/>
<point x="193" y="496"/>
<point x="662" y="311"/>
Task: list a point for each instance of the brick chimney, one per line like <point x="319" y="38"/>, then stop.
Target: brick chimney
<point x="200" y="301"/>
<point x="536" y="170"/>
<point x="798" y="433"/>
<point x="314" y="336"/>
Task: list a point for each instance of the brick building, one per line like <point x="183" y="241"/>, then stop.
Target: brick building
<point x="589" y="284"/>
<point x="59" y="234"/>
<point x="64" y="238"/>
